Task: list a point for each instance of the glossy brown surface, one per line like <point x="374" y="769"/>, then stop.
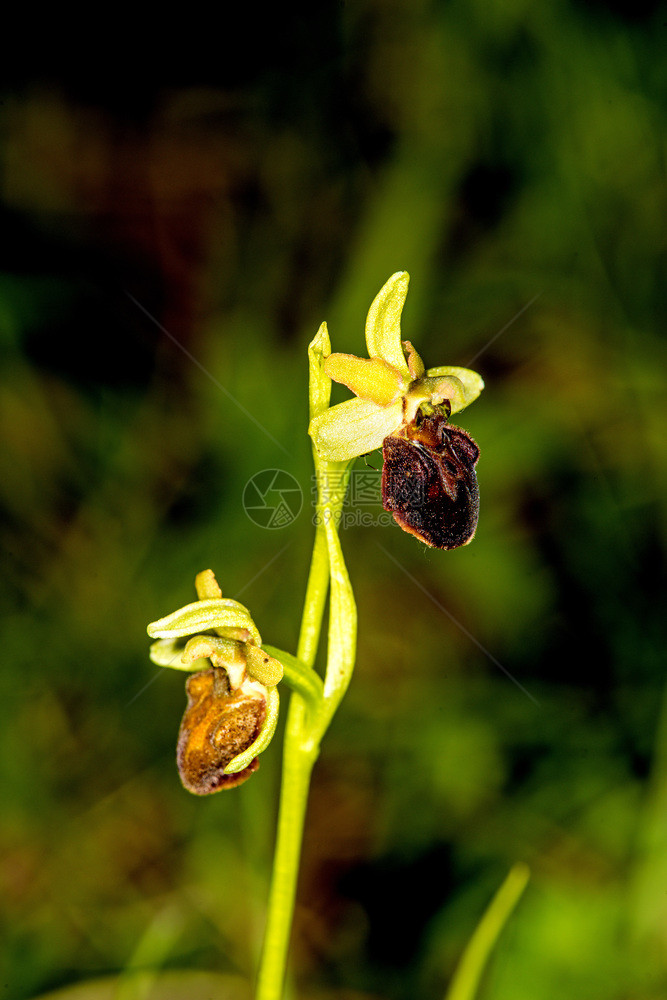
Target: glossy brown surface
<point x="216" y="726"/>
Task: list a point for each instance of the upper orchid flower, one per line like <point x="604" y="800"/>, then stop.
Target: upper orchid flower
<point x="390" y="385"/>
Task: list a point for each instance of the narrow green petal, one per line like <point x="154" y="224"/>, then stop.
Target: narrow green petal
<point x="265" y="734"/>
<point x="319" y="350"/>
<point x="415" y="364"/>
<point x="206" y="585"/>
<point x="383" y="324"/>
<point x="353" y="428"/>
<point x="472" y="383"/>
<point x="263" y="667"/>
<point x="221" y="652"/>
<point x="202" y="616"/>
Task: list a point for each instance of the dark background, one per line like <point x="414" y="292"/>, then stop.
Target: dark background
<point x="187" y="191"/>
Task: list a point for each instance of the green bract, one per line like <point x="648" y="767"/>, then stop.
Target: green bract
<point x="390" y="385"/>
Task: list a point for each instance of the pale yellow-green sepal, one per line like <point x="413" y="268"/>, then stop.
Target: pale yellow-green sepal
<point x="383" y="324"/>
<point x="471" y="382"/>
<point x="353" y="428"/>
<point x="202" y="616"/>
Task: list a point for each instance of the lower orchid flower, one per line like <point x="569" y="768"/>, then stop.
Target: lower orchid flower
<point x="232" y="707"/>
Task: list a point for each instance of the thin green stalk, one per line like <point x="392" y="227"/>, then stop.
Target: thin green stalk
<point x="305" y="726"/>
<point x="297" y="767"/>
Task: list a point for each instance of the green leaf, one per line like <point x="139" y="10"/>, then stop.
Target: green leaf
<point x="383" y="324"/>
<point x="342" y="637"/>
<point x="478" y="950"/>
<point x="342" y="621"/>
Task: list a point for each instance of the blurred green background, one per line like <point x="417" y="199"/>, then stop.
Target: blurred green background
<point x="207" y="195"/>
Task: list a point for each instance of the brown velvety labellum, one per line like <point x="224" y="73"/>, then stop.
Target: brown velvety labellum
<point x="429" y="482"/>
<point x="216" y="727"/>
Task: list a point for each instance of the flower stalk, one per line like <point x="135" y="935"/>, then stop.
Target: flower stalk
<point x="307" y="723"/>
<point x="233" y="677"/>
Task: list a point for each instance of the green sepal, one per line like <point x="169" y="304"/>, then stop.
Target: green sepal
<point x="319" y="383"/>
<point x="383" y="324"/>
<point x="216" y="613"/>
<point x="353" y="428"/>
<point x="472" y="384"/>
<point x="265" y="734"/>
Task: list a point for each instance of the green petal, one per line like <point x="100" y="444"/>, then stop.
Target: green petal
<point x="472" y="383"/>
<point x="319" y="350"/>
<point x="353" y="428"/>
<point x="221" y="652"/>
<point x="414" y="361"/>
<point x="367" y="378"/>
<point x="202" y="616"/>
<point x="169" y="652"/>
<point x="383" y="324"/>
<point x="263" y="667"/>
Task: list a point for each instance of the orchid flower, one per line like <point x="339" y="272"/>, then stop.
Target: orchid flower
<point x="389" y="386"/>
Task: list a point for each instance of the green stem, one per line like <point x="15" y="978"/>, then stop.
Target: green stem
<point x="297" y="767"/>
<point x="308" y="718"/>
<point x="298" y="762"/>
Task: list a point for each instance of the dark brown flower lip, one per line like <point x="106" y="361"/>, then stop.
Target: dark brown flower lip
<point x="428" y="479"/>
